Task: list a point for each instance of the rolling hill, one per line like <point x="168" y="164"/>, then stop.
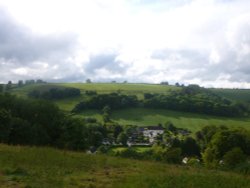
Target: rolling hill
<point x="141" y="116"/>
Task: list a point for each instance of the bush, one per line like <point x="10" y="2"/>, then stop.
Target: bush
<point x="130" y="153"/>
<point x="243" y="168"/>
<point x="103" y="149"/>
<point x="172" y="155"/>
<point x="234" y="157"/>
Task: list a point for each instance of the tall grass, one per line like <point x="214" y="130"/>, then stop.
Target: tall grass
<point x="51" y="168"/>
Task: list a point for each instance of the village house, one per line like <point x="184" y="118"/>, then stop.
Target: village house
<point x="151" y="132"/>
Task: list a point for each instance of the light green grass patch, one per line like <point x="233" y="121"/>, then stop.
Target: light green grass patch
<point x="191" y="121"/>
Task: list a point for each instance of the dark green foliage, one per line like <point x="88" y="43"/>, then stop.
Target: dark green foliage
<point x="106" y="114"/>
<point x="8" y="86"/>
<point x="55" y="93"/>
<point x="122" y="138"/>
<point x="5" y="119"/>
<point x="28" y="82"/>
<point x="169" y="126"/>
<point x="130" y="153"/>
<point x="172" y="155"/>
<point x="113" y="100"/>
<point x="39" y="122"/>
<point x="195" y="99"/>
<point x="20" y="83"/>
<point x="204" y="136"/>
<point x="103" y="149"/>
<point x="1" y="88"/>
<point x="88" y="81"/>
<point x="234" y="157"/>
<point x="223" y="144"/>
<point x="190" y="147"/>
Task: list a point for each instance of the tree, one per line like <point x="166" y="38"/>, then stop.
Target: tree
<point x="223" y="142"/>
<point x="234" y="157"/>
<point x="106" y="114"/>
<point x="20" y="83"/>
<point x="204" y="136"/>
<point x="1" y="88"/>
<point x="29" y="82"/>
<point x="172" y="155"/>
<point x="190" y="147"/>
<point x="122" y="138"/>
<point x="5" y="119"/>
<point x="164" y="83"/>
<point x="170" y="127"/>
<point x="39" y="81"/>
<point x="88" y="81"/>
<point x="9" y="85"/>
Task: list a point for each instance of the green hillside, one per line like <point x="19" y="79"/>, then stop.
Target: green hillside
<point x="130" y="89"/>
<point x="191" y="121"/>
<point x="242" y="95"/>
<point x="135" y="89"/>
<point x="141" y="116"/>
<point x="25" y="167"/>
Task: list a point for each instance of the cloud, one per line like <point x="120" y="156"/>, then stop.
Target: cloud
<point x="188" y="41"/>
<point x="25" y="55"/>
<point x="106" y="61"/>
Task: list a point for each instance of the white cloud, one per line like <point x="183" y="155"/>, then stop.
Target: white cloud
<point x="178" y="40"/>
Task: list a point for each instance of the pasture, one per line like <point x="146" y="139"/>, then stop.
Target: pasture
<point x="191" y="121"/>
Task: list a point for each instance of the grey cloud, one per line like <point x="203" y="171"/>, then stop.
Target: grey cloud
<point x="20" y="48"/>
<point x="105" y="61"/>
<point x="18" y="42"/>
<point x="183" y="58"/>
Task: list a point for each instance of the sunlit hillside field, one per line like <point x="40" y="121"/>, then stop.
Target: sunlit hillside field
<point x="23" y="167"/>
<point x="191" y="121"/>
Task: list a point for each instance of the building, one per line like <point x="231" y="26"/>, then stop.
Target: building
<point x="151" y="132"/>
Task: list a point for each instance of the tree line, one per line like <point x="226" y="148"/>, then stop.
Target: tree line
<point x="189" y="99"/>
<point x="54" y="93"/>
<point x="41" y="123"/>
<point x="113" y="100"/>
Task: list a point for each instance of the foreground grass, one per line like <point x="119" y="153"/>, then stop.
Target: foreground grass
<point x="191" y="121"/>
<point x="50" y="168"/>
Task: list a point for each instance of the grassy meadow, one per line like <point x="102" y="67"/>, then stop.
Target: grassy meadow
<point x="191" y="121"/>
<point x="25" y="167"/>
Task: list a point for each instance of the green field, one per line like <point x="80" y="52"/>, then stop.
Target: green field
<point x="191" y="121"/>
<point x="25" y="167"/>
<point x="130" y="89"/>
<point x="134" y="89"/>
<point x="139" y="116"/>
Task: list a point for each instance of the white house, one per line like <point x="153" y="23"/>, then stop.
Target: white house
<point x="151" y="132"/>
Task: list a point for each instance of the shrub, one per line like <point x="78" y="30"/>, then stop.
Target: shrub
<point x="234" y="157"/>
<point x="172" y="155"/>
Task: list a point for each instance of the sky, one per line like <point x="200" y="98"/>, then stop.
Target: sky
<point x="205" y="42"/>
